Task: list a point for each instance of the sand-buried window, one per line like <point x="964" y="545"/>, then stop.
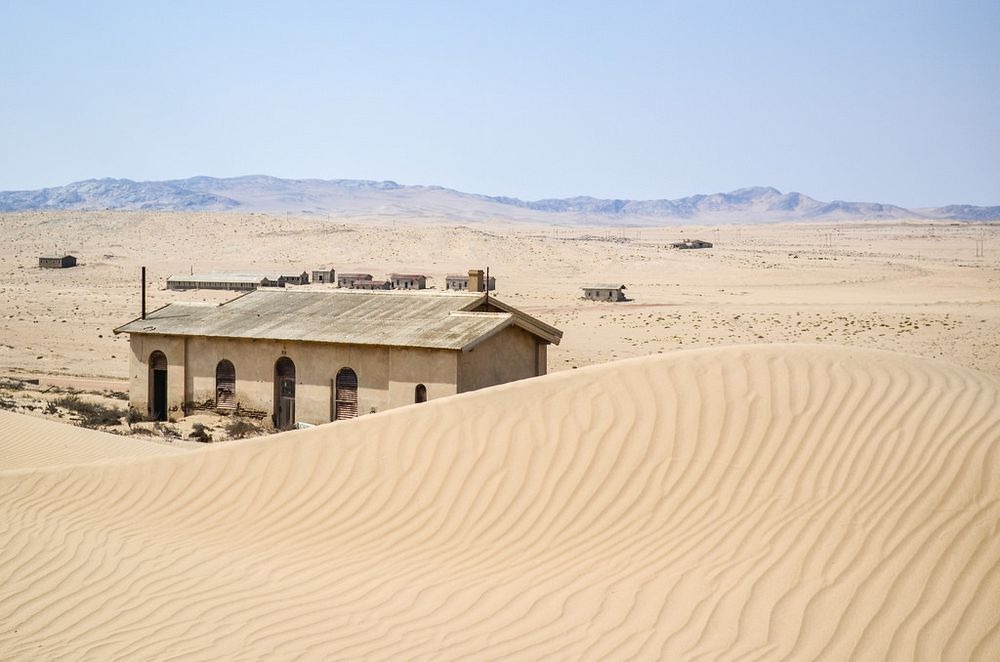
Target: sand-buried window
<point x="346" y="405"/>
<point x="420" y="393"/>
<point x="225" y="385"/>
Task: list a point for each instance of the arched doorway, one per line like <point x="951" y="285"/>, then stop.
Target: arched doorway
<point x="346" y="397"/>
<point x="225" y="385"/>
<point x="420" y="393"/>
<point x="158" y="386"/>
<point x="284" y="393"/>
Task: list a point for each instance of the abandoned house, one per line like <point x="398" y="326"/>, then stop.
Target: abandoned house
<point x="604" y="292"/>
<point x="691" y="243"/>
<point x="300" y="279"/>
<point x="324" y="275"/>
<point x="371" y="285"/>
<point x="408" y="281"/>
<point x="460" y="282"/>
<point x="314" y="356"/>
<point x="237" y="282"/>
<point x="57" y="262"/>
<point x="348" y="280"/>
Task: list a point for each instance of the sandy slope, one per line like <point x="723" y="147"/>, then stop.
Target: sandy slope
<point x="739" y="503"/>
<point x="28" y="442"/>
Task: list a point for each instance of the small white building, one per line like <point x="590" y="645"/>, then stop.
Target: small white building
<point x="408" y="281"/>
<point x="324" y="276"/>
<point x="460" y="283"/>
<point x="295" y="279"/>
<point x="604" y="292"/>
<point x="349" y="280"/>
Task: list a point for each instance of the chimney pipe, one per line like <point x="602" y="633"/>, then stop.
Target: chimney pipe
<point x="475" y="280"/>
<point x="144" y="293"/>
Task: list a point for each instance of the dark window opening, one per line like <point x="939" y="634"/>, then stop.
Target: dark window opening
<point x="284" y="393"/>
<point x="420" y="393"/>
<point x="158" y="386"/>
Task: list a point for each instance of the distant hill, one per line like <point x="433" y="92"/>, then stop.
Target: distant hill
<point x="362" y="198"/>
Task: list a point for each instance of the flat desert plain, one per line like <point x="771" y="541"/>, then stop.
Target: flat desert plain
<point x="915" y="288"/>
<point x="796" y="458"/>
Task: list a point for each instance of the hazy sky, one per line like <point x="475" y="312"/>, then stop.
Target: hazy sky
<point x="879" y="101"/>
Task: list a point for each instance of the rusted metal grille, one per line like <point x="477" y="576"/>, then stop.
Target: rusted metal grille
<point x="225" y="385"/>
<point x="347" y="394"/>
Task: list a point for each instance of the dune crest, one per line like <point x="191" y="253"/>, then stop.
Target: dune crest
<point x="771" y="502"/>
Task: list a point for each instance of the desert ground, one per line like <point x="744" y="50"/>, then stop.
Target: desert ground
<point x="783" y="447"/>
<point x="916" y="288"/>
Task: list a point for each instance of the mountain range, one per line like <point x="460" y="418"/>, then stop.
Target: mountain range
<point x="363" y="198"/>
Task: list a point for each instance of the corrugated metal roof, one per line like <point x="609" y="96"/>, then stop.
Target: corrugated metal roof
<point x="411" y="319"/>
<point x="603" y="286"/>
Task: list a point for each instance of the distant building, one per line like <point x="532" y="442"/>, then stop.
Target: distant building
<point x="300" y="279"/>
<point x="408" y="281"/>
<point x="324" y="276"/>
<point x="459" y="282"/>
<point x="691" y="243"/>
<point x="223" y="281"/>
<point x="316" y="355"/>
<point x="604" y="292"/>
<point x="348" y="280"/>
<point x="371" y="285"/>
<point x="57" y="262"/>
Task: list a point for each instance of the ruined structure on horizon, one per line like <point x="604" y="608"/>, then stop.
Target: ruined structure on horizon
<point x="318" y="355"/>
<point x="691" y="243"/>
<point x="604" y="292"/>
<point x="475" y="277"/>
<point x="61" y="262"/>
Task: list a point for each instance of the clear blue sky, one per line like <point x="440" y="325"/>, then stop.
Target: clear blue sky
<point x="879" y="101"/>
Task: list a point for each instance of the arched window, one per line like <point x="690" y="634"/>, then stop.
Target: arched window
<point x="158" y="386"/>
<point x="420" y="393"/>
<point x="225" y="385"/>
<point x="346" y="399"/>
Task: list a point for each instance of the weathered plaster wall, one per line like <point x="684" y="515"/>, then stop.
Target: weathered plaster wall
<point x="508" y="356"/>
<point x="175" y="350"/>
<point x="387" y="376"/>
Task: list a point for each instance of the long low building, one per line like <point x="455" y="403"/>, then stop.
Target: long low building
<point x="320" y="355"/>
<point x="236" y="282"/>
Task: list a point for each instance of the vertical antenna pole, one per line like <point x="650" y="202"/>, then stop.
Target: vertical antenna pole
<point x="487" y="286"/>
<point x="144" y="293"/>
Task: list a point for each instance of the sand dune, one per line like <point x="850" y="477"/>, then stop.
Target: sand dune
<point x="29" y="442"/>
<point x="768" y="502"/>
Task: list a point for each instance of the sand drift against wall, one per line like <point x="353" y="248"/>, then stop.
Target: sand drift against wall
<point x="742" y="503"/>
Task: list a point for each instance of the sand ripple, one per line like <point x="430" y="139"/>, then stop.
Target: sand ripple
<point x="774" y="502"/>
